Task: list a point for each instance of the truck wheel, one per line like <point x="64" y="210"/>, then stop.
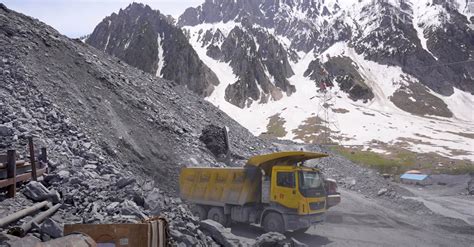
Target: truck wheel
<point x="301" y="230"/>
<point x="217" y="214"/>
<point x="199" y="211"/>
<point x="273" y="222"/>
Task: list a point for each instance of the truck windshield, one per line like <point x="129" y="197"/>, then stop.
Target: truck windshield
<point x="311" y="184"/>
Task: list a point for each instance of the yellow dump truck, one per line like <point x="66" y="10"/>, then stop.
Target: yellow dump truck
<point x="275" y="190"/>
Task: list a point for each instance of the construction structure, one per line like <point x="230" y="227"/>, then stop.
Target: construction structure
<point x="13" y="171"/>
<point x="415" y="178"/>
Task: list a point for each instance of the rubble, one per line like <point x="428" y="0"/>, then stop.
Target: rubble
<point x="221" y="235"/>
<point x="52" y="228"/>
<point x="382" y="191"/>
<point x="470" y="185"/>
<point x="270" y="239"/>
<point x="5" y="130"/>
<point x="214" y="138"/>
<point x="123" y="182"/>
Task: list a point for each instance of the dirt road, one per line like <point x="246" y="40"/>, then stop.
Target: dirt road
<point x="359" y="221"/>
<point x="447" y="199"/>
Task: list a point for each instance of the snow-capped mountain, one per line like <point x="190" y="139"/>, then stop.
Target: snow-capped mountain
<point x="396" y="72"/>
<point x="378" y="73"/>
<point x="149" y="40"/>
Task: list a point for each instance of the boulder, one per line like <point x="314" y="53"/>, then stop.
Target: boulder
<point x="220" y="234"/>
<point x="271" y="239"/>
<point x="6" y="131"/>
<point x="382" y="191"/>
<point x="52" y="228"/>
<point x="37" y="192"/>
<point x="154" y="201"/>
<point x="123" y="182"/>
<point x="130" y="208"/>
<point x="214" y="138"/>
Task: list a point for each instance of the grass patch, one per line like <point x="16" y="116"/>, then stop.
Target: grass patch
<point x="275" y="128"/>
<point x="312" y="130"/>
<point x="396" y="164"/>
<point x="401" y="160"/>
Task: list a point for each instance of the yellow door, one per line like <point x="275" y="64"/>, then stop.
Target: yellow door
<point x="284" y="189"/>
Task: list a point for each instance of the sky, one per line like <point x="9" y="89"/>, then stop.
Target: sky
<point x="75" y="18"/>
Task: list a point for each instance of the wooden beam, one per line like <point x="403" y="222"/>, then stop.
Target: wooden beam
<point x="3" y="158"/>
<point x="32" y="158"/>
<point x="11" y="173"/>
<point x="18" y="163"/>
<point x="44" y="155"/>
<point x="20" y="178"/>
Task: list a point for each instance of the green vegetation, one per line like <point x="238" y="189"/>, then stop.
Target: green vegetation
<point x="312" y="130"/>
<point x="401" y="160"/>
<point x="275" y="128"/>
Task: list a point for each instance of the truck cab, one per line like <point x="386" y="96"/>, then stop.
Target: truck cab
<point x="274" y="190"/>
<point x="297" y="196"/>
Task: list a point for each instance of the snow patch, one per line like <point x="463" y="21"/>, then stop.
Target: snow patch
<point x="161" y="57"/>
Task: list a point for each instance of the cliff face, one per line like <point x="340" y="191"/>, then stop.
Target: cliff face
<point x="148" y="40"/>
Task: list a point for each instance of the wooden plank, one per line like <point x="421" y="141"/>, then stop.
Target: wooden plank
<point x="20" y="178"/>
<point x="19" y="170"/>
<point x="11" y="173"/>
<point x="44" y="155"/>
<point x="18" y="163"/>
<point x="3" y="158"/>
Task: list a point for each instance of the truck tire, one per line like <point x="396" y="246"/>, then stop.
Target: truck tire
<point x="199" y="211"/>
<point x="273" y="222"/>
<point x="217" y="214"/>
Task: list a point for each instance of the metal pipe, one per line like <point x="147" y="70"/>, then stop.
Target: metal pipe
<point x="22" y="213"/>
<point x="26" y="227"/>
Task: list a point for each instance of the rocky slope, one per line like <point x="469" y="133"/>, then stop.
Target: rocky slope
<point x="148" y="40"/>
<point x="116" y="136"/>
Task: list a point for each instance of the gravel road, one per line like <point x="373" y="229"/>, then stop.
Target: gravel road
<point x="360" y="221"/>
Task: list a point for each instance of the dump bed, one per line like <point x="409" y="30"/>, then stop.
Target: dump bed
<point x="220" y="186"/>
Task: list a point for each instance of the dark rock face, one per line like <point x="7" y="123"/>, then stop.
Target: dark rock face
<point x="448" y="44"/>
<point x="380" y="30"/>
<point x="146" y="39"/>
<point x="258" y="60"/>
<point x="417" y="100"/>
<point x="343" y="71"/>
<point x="394" y="41"/>
<point x="271" y="14"/>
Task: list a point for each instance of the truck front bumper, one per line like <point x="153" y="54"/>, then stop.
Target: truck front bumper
<point x="295" y="222"/>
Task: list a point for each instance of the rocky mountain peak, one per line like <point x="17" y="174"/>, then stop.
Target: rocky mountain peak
<point x="148" y="40"/>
